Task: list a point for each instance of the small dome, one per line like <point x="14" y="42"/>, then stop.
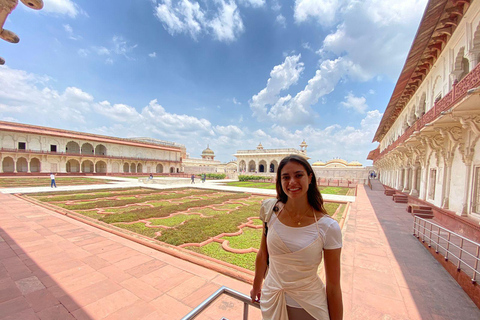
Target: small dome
<point x="208" y="151"/>
<point x="337" y="161"/>
<point x="303" y="144"/>
<point x="260" y="146"/>
<point x="318" y="164"/>
<point x="355" y="164"/>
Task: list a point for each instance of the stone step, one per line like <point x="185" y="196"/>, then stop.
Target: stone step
<point x="424" y="215"/>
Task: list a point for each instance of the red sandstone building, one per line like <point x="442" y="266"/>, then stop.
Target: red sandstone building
<point x="34" y="149"/>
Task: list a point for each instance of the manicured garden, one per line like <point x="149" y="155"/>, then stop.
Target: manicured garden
<point x="268" y="185"/>
<point x="18" y="182"/>
<point x="221" y="225"/>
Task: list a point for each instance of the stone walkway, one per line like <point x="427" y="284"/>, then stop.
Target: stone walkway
<point x="54" y="267"/>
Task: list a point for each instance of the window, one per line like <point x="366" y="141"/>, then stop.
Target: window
<point x="431" y="184"/>
<point x="53" y="148"/>
<point x="476" y="191"/>
<point x="22" y="146"/>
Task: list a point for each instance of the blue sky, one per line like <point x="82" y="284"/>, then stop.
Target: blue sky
<point x="223" y="73"/>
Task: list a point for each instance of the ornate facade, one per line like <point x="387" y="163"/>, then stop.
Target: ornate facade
<point x="341" y="169"/>
<point x="263" y="160"/>
<point x="207" y="164"/>
<point x="34" y="149"/>
<point x="429" y="133"/>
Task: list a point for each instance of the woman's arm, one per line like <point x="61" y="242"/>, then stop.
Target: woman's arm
<point x="260" y="269"/>
<point x="334" y="291"/>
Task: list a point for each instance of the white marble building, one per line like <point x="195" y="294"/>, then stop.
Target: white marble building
<point x="263" y="160"/>
<point x="429" y="133"/>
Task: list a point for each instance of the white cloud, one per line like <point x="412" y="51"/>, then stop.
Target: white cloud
<point x="152" y="55"/>
<point x="386" y="26"/>
<point x="356" y="103"/>
<point x="324" y="11"/>
<point x="252" y="3"/>
<point x="296" y="110"/>
<point x="121" y="47"/>
<point x="229" y="131"/>
<point x="235" y="101"/>
<point x="223" y="20"/>
<point x="281" y="78"/>
<point x="101" y="51"/>
<point x="227" y="25"/>
<point x="281" y="20"/>
<point x="69" y="31"/>
<point x="109" y="61"/>
<point x="83" y="52"/>
<point x="63" y="7"/>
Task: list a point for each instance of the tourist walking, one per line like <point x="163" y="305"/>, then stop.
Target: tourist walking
<point x="193" y="179"/>
<point x="297" y="232"/>
<point x="52" y="179"/>
<point x="204" y="177"/>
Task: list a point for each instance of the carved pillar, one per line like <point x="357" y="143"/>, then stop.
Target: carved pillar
<point x="406" y="180"/>
<point x="414" y="191"/>
<point x="468" y="171"/>
<point x="447" y="180"/>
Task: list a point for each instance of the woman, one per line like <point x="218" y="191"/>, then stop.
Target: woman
<point x="297" y="231"/>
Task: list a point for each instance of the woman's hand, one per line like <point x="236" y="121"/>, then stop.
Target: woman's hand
<point x="255" y="294"/>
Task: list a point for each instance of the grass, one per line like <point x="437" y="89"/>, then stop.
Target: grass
<point x="117" y="203"/>
<point x="199" y="230"/>
<point x="268" y="185"/>
<point x="139" y="228"/>
<point x="214" y="250"/>
<point x="250" y="238"/>
<point x="184" y="228"/>
<point x="45" y="181"/>
<point x="166" y="210"/>
<point x="175" y="220"/>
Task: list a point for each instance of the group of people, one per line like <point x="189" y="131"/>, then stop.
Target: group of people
<point x="203" y="177"/>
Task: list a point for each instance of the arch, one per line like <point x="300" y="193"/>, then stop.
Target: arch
<point x="462" y="65"/>
<point x="126" y="167"/>
<point x="242" y="166"/>
<point x="178" y="170"/>
<point x="87" y="166"/>
<point x="22" y="165"/>
<point x="100" y="167"/>
<point x="251" y="166"/>
<point x="8" y="165"/>
<point x="139" y="168"/>
<point x="72" y="147"/>
<point x="133" y="168"/>
<point x="100" y="150"/>
<point x="87" y="148"/>
<point x="273" y="166"/>
<point x="262" y="166"/>
<point x="35" y="165"/>
<point x="172" y="170"/>
<point x="436" y="90"/>
<point x="159" y="168"/>
<point x="73" y="165"/>
<point x="422" y="106"/>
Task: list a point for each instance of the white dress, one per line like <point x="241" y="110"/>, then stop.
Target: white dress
<point x="295" y="272"/>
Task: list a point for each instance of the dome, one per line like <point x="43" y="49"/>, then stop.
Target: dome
<point x="260" y="147"/>
<point x="318" y="164"/>
<point x="336" y="163"/>
<point x="303" y="144"/>
<point x="354" y="164"/>
<point x="208" y="151"/>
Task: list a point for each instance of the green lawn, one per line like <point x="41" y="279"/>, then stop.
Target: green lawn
<point x="223" y="212"/>
<point x="45" y="181"/>
<point x="268" y="185"/>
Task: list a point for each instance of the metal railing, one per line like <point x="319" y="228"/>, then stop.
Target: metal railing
<point x="223" y="290"/>
<point x="459" y="250"/>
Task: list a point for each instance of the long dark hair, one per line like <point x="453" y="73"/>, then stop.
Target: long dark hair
<point x="314" y="197"/>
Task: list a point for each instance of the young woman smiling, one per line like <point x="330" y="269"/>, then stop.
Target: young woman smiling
<point x="297" y="233"/>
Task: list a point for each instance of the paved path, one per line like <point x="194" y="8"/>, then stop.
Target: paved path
<point x="387" y="273"/>
<point x="130" y="183"/>
<point x="53" y="267"/>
